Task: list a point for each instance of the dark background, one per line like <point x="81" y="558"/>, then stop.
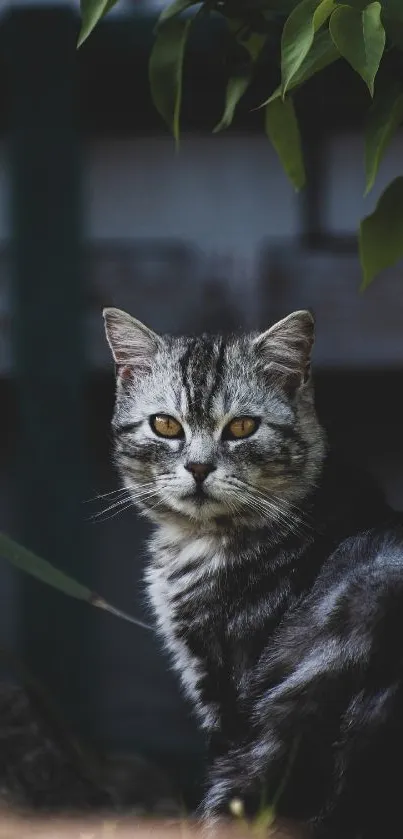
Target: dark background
<point x="97" y="209"/>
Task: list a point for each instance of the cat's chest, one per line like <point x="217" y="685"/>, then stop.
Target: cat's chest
<point x="182" y="581"/>
<point x="214" y="609"/>
<point x="207" y="594"/>
<point x="183" y="578"/>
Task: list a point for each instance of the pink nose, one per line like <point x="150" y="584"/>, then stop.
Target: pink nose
<point x="200" y="470"/>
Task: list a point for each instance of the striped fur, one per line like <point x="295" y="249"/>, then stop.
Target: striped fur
<point x="278" y="590"/>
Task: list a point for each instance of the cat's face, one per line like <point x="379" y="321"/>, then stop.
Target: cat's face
<point x="210" y="428"/>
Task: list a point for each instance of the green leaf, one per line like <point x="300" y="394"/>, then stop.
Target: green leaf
<point x="360" y="39"/>
<point x="374" y="39"/>
<point x="165" y="71"/>
<point x="384" y="117"/>
<point x="381" y="233"/>
<point x="27" y="561"/>
<point x="263" y="821"/>
<point x="356" y="4"/>
<point x="236" y="87"/>
<point x="322" y="13"/>
<point x="174" y="9"/>
<point x="282" y="128"/>
<point x="322" y="53"/>
<point x="252" y="41"/>
<point x="32" y="564"/>
<point x="298" y="36"/>
<point x="110" y="4"/>
<point x="296" y="41"/>
<point x="254" y="44"/>
<point x="91" y="13"/>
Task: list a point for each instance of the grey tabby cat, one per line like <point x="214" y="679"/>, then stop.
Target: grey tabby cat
<point x="275" y="573"/>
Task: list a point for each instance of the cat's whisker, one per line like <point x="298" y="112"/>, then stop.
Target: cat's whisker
<point x="114" y="514"/>
<point x="250" y="492"/>
<point x="268" y="508"/>
<point x="100" y="496"/>
<point x="119" y="491"/>
<point x="121" y="509"/>
<point x="129" y="499"/>
<point x="260" y="505"/>
<point x="264" y="515"/>
<point x="119" y="503"/>
<point x="293" y="514"/>
<point x="153" y="506"/>
<point x="284" y="510"/>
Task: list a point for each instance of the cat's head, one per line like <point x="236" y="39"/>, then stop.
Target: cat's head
<point x="211" y="428"/>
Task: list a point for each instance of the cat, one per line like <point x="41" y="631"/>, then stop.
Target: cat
<point x="275" y="573"/>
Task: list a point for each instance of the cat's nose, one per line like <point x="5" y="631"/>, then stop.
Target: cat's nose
<point x="200" y="470"/>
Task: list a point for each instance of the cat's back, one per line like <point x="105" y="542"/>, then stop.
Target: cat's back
<point x="358" y="595"/>
<point x="372" y="557"/>
<point x="346" y="632"/>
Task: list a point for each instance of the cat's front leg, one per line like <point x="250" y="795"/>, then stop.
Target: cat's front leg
<point x="253" y="773"/>
<point x="225" y="785"/>
<point x="236" y="782"/>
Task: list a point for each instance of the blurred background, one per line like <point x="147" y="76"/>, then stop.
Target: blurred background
<point x="96" y="209"/>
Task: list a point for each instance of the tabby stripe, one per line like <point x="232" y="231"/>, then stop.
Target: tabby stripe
<point x="184" y="367"/>
<point x="126" y="427"/>
<point x="218" y="374"/>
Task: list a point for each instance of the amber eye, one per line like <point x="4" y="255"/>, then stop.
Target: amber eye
<point x="166" y="426"/>
<point x="240" y="427"/>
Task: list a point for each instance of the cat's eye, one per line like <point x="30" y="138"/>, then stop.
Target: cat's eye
<point x="240" y="427"/>
<point x="166" y="426"/>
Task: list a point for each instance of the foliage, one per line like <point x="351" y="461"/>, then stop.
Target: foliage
<point x="308" y="35"/>
<point x="30" y="563"/>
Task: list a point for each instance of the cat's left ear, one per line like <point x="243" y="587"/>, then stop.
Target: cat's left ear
<point x="285" y="349"/>
<point x="134" y="346"/>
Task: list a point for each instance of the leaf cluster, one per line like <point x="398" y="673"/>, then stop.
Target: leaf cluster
<point x="309" y="35"/>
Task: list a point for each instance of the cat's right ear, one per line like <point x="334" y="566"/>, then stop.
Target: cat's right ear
<point x="285" y="349"/>
<point x="133" y="345"/>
